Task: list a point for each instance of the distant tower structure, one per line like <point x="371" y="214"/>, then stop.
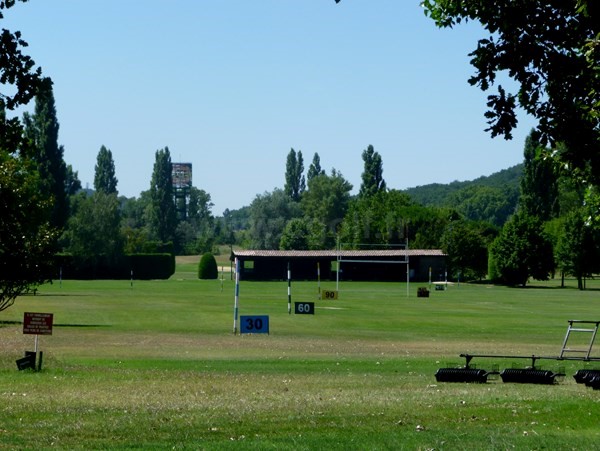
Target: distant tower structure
<point x="182" y="183"/>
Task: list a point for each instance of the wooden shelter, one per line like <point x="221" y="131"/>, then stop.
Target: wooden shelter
<point x="365" y="265"/>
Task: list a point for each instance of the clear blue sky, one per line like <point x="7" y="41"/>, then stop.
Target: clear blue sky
<point x="232" y="86"/>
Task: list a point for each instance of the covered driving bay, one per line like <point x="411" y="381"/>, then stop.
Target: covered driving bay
<point x="359" y="265"/>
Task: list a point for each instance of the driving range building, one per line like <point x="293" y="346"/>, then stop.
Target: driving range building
<point x="363" y="265"/>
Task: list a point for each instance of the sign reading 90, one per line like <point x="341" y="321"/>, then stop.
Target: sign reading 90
<point x="330" y="294"/>
<point x="304" y="308"/>
<point x="254" y="324"/>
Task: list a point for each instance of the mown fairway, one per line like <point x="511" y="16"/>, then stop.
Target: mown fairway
<point x="156" y="366"/>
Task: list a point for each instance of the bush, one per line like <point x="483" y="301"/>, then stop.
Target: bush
<point x="207" y="268"/>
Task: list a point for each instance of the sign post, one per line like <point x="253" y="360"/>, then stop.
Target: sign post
<point x="35" y="324"/>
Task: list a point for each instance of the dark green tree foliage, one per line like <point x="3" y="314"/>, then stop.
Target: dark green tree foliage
<point x="522" y="251"/>
<point x="73" y="184"/>
<point x="539" y="184"/>
<point x="41" y="129"/>
<point x="207" y="268"/>
<point x="163" y="214"/>
<point x="26" y="237"/>
<point x="378" y="219"/>
<point x="443" y="195"/>
<point x="315" y="168"/>
<point x="16" y="70"/>
<point x="551" y="50"/>
<point x="465" y="244"/>
<point x="269" y="213"/>
<point x="234" y="223"/>
<point x="94" y="228"/>
<point x="197" y="233"/>
<point x="485" y="203"/>
<point x="105" y="180"/>
<point x="295" y="235"/>
<point x="326" y="201"/>
<point x="578" y="252"/>
<point x="295" y="182"/>
<point x="303" y="234"/>
<point x="372" y="176"/>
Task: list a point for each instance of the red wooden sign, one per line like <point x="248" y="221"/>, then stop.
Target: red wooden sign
<point x="38" y="323"/>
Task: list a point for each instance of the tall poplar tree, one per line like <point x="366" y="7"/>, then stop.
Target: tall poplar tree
<point x="295" y="183"/>
<point x="163" y="216"/>
<point x="539" y="184"/>
<point x="41" y="129"/>
<point x="372" y="176"/>
<point x="315" y="168"/>
<point x="105" y="180"/>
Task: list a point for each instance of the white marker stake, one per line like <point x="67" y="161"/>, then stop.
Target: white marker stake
<point x="237" y="295"/>
<point x="319" y="281"/>
<point x="430" y="277"/>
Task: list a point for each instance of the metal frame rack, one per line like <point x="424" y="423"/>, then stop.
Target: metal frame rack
<point x="533" y="374"/>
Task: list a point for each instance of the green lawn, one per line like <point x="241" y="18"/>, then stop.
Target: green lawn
<point x="156" y="366"/>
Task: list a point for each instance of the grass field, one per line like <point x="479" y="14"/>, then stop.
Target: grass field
<point x="156" y="366"/>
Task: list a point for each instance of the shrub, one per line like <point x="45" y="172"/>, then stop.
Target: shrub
<point x="207" y="268"/>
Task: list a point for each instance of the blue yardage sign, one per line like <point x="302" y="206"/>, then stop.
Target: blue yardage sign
<point x="254" y="324"/>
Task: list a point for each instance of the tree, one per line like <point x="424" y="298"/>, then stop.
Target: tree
<point x="294" y="180"/>
<point x="378" y="219"/>
<point x="197" y="233"/>
<point x="41" y="129"/>
<point x="295" y="235"/>
<point x="522" y="251"/>
<point x="163" y="214"/>
<point x="269" y="213"/>
<point x="326" y="201"/>
<point x="466" y="248"/>
<point x="485" y="203"/>
<point x="16" y="70"/>
<point x="105" y="180"/>
<point x="315" y="168"/>
<point x="372" y="176"/>
<point x="578" y="250"/>
<point x="539" y="184"/>
<point x="26" y="237"/>
<point x="303" y="234"/>
<point x="94" y="228"/>
<point x="551" y="50"/>
<point x="72" y="182"/>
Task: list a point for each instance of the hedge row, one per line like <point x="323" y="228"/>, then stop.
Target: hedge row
<point x="138" y="266"/>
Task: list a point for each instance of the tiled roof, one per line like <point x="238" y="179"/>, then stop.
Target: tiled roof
<point x="341" y="253"/>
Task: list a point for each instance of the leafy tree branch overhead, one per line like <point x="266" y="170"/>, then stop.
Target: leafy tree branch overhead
<point x="26" y="235"/>
<point x="551" y="49"/>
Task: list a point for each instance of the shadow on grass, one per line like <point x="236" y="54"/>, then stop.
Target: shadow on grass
<point x="37" y="295"/>
<point x="82" y="325"/>
<point x="17" y="323"/>
<point x="546" y="287"/>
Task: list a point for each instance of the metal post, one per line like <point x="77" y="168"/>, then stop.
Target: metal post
<point x="289" y="277"/>
<point x="319" y="281"/>
<point x="237" y="295"/>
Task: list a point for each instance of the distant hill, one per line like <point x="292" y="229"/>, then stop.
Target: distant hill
<point x="490" y="198"/>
